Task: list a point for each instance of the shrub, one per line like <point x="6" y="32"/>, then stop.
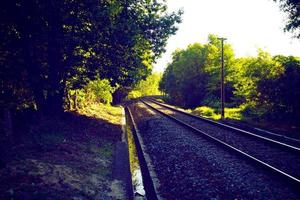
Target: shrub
<point x="134" y="94"/>
<point x="204" y="111"/>
<point x="101" y="91"/>
<point x="233" y="113"/>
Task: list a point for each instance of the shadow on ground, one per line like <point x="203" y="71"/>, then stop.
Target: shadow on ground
<point x="63" y="157"/>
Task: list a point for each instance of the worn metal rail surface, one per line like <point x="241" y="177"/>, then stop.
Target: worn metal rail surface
<point x="291" y="179"/>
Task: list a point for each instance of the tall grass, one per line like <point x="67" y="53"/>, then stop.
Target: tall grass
<point x="212" y="113"/>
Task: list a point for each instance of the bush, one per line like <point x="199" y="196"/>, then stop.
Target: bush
<point x="134" y="94"/>
<point x="101" y="91"/>
<point x="146" y="87"/>
<point x="212" y="101"/>
<point x="253" y="111"/>
<point x="204" y="111"/>
<point x="233" y="113"/>
<point x="96" y="91"/>
<point x="208" y="112"/>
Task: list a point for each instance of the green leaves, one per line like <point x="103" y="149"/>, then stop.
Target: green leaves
<point x="265" y="86"/>
<point x="194" y="73"/>
<point x="292" y="8"/>
<point x="147" y="87"/>
<point x="249" y="71"/>
<point x="50" y="47"/>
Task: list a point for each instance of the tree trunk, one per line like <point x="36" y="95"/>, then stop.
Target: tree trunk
<point x="75" y="100"/>
<point x="54" y="104"/>
<point x="55" y="74"/>
<point x="7" y="124"/>
<point x="69" y="100"/>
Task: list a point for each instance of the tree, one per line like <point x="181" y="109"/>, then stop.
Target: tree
<point x="49" y="47"/>
<point x="95" y="92"/>
<point x="147" y="87"/>
<point x="249" y="72"/>
<point x="292" y="7"/>
<point x="280" y="93"/>
<point x="193" y="76"/>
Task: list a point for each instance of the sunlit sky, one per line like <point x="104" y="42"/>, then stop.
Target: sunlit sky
<point x="247" y="25"/>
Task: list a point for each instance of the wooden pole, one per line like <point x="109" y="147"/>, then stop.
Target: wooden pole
<point x="222" y="80"/>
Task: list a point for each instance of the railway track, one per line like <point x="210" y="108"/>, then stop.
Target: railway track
<point x="268" y="136"/>
<point x="278" y="157"/>
<point x="148" y="175"/>
<point x="192" y="167"/>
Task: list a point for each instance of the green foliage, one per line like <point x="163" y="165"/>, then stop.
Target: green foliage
<point x="234" y="113"/>
<point x="261" y="87"/>
<point x="210" y="112"/>
<point x="249" y="71"/>
<point x="194" y="73"/>
<point x="267" y="86"/>
<point x="50" y="47"/>
<point x="292" y="7"/>
<point x="95" y="92"/>
<point x="134" y="94"/>
<point x="280" y="95"/>
<point x="204" y="111"/>
<point x="147" y="87"/>
<point x="99" y="91"/>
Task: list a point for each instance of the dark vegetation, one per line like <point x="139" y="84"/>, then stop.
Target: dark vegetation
<point x="292" y="8"/>
<point x="49" y="50"/>
<point x="263" y="87"/>
<point x="60" y="62"/>
<point x="63" y="60"/>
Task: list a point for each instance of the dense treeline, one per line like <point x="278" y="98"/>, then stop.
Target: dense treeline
<point x="264" y="86"/>
<point x="49" y="47"/>
<point x="55" y="54"/>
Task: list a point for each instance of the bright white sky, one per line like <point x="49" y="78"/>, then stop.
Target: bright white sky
<point x="247" y="25"/>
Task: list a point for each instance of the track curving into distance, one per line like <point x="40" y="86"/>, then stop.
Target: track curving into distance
<point x="280" y="158"/>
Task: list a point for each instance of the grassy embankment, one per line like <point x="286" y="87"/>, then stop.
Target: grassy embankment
<point x="63" y="157"/>
<point x="209" y="112"/>
<point x="236" y="115"/>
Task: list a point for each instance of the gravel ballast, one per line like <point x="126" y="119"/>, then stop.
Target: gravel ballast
<point x="279" y="157"/>
<point x="190" y="167"/>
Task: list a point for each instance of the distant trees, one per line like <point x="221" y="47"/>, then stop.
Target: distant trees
<point x="147" y="87"/>
<point x="50" y="47"/>
<point x="193" y="76"/>
<point x="266" y="86"/>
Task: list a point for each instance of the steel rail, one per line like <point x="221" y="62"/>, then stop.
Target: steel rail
<point x="149" y="186"/>
<point x="293" y="180"/>
<point x="228" y="127"/>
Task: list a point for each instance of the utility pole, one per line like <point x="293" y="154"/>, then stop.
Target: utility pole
<point x="222" y="79"/>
